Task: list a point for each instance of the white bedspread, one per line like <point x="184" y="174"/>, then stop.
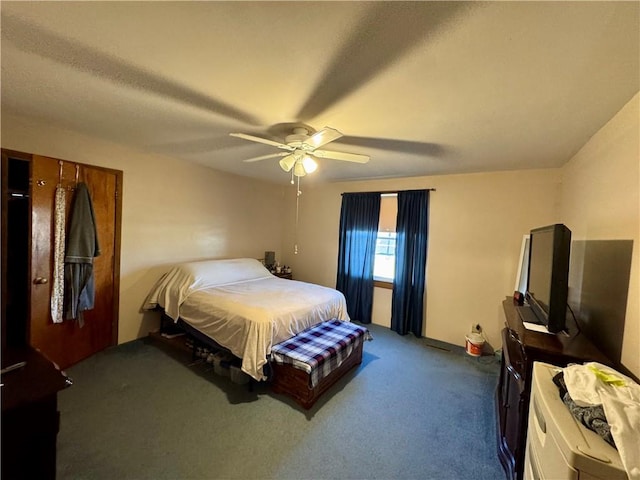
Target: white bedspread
<point x="249" y="314"/>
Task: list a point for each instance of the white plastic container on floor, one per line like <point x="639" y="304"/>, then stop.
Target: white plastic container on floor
<point x="474" y="344"/>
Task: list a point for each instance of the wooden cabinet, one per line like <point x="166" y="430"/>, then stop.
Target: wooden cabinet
<point x="520" y="348"/>
<point x="511" y="400"/>
<point x="30" y="417"/>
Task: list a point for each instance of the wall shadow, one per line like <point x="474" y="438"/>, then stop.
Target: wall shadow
<point x="600" y="278"/>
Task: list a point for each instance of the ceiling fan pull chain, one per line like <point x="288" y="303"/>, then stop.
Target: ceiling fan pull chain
<point x="298" y="192"/>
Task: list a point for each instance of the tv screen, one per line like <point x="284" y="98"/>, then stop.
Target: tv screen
<point x="548" y="279"/>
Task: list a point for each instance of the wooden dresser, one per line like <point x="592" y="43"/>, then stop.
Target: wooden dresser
<point x="520" y="348"/>
<point x="30" y="417"/>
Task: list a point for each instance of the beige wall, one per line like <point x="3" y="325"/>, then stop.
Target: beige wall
<point x="172" y="211"/>
<point x="600" y="201"/>
<point x="476" y="226"/>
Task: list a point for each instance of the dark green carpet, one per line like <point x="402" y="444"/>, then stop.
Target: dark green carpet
<point x="137" y="411"/>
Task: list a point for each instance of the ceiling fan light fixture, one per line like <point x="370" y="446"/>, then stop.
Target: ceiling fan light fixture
<point x="299" y="170"/>
<point x="309" y="164"/>
<point x="288" y="162"/>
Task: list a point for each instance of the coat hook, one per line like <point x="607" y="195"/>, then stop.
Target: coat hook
<point x="61" y="163"/>
<point x="77" y="171"/>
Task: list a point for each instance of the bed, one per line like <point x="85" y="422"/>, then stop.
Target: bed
<point x="242" y="307"/>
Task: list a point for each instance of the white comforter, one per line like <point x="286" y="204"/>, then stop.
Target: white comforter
<point x="247" y="315"/>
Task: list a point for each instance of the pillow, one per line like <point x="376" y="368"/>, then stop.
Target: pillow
<point x="182" y="280"/>
<point x="211" y="273"/>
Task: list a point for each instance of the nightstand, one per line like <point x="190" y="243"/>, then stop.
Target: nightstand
<point x="288" y="276"/>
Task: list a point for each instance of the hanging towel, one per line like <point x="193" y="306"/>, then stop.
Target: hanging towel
<point x="82" y="247"/>
<point x="57" y="286"/>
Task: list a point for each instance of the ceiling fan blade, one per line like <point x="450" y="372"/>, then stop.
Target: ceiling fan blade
<point x="261" y="140"/>
<point x="395" y="145"/>
<point x="347" y="157"/>
<point x="355" y="63"/>
<point x="264" y="157"/>
<point x="322" y="137"/>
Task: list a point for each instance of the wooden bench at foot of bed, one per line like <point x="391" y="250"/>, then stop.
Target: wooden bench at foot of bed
<point x="295" y="382"/>
<point x="307" y="365"/>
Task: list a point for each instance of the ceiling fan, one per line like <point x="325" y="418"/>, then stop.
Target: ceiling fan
<point x="300" y="147"/>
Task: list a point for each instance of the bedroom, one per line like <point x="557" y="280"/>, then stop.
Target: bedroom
<point x="176" y="211"/>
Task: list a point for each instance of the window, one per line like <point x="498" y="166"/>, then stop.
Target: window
<point x="385" y="260"/>
<point x="385" y="257"/>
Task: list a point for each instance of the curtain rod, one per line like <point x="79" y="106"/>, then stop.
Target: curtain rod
<point x="386" y="192"/>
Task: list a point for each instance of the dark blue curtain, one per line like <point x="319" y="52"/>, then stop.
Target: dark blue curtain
<point x="359" y="219"/>
<point x="412" y="231"/>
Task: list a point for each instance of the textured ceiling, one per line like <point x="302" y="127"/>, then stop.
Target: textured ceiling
<point x="424" y="88"/>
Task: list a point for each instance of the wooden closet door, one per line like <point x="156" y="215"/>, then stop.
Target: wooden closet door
<point x="67" y="343"/>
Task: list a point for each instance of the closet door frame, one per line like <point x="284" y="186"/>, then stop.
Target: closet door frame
<point x="117" y="228"/>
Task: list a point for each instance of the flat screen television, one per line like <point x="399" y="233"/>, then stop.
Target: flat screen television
<point x="548" y="277"/>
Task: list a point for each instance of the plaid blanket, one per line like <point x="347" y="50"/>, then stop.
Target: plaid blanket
<point x="320" y="349"/>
